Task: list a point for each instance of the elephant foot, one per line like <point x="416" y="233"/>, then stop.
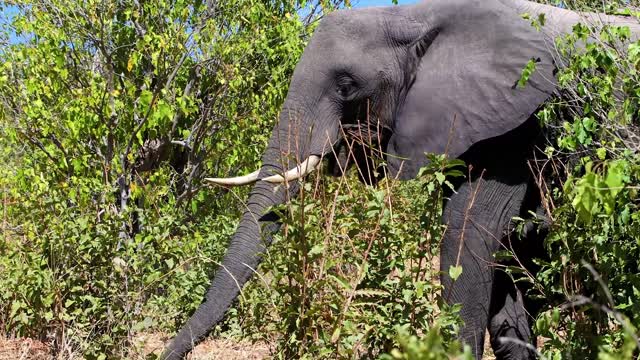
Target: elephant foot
<point x="509" y="344"/>
<point x="511" y="336"/>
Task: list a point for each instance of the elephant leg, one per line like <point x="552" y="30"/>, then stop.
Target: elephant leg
<point x="509" y="320"/>
<point x="477" y="216"/>
<point x="511" y="313"/>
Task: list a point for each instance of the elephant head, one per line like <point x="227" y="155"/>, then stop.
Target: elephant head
<point x="438" y="76"/>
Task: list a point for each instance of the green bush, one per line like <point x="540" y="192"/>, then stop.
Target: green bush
<point x="590" y="178"/>
<point x="110" y="115"/>
<point x="352" y="272"/>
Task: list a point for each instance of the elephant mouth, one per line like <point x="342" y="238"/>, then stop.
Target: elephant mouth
<point x="363" y="147"/>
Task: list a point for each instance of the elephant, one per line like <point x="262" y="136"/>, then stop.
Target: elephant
<point x="440" y="76"/>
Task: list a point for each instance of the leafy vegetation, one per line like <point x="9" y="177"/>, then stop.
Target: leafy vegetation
<point x="351" y="273"/>
<point x="112" y="112"/>
<point x="592" y="155"/>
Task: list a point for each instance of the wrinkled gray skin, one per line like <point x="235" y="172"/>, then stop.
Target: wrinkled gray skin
<point x="418" y="67"/>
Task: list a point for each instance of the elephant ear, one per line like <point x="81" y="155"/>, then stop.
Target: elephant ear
<point x="464" y="74"/>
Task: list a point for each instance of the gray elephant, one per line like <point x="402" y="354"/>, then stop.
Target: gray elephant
<point x="439" y="76"/>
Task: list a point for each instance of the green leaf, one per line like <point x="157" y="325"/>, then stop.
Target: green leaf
<point x="455" y="272"/>
<point x="145" y="99"/>
<point x="616" y="176"/>
<point x="528" y="70"/>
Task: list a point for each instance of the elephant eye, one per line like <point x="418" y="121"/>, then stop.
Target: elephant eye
<point x="345" y="87"/>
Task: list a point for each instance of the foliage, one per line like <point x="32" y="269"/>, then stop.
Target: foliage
<point x="430" y="347"/>
<point x="590" y="176"/>
<point x="351" y="275"/>
<point x="111" y="113"/>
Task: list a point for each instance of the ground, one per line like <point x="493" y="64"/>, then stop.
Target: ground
<point x="13" y="349"/>
<point x="211" y="349"/>
<point x="214" y="349"/>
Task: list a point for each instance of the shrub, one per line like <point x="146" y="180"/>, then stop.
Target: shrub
<point x="590" y="178"/>
<point x="110" y="114"/>
<point x="352" y="273"/>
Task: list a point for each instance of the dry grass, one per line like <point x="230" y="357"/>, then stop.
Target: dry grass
<point x="211" y="349"/>
<point x="23" y="348"/>
<point x="145" y="344"/>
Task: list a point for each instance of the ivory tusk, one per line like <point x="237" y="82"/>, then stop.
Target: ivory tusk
<point x="236" y="181"/>
<point x="296" y="173"/>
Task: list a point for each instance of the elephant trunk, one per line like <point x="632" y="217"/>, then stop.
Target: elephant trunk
<point x="240" y="261"/>
<point x="253" y="234"/>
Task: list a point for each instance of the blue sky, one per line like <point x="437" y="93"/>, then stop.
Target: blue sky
<point x="6" y="14"/>
<point x="363" y="3"/>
